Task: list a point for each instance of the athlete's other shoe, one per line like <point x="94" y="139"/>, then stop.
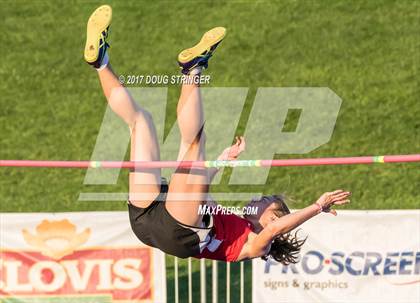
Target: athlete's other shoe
<point x="200" y="54"/>
<point x="97" y="32"/>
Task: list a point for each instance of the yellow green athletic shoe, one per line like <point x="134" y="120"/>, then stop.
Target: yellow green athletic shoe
<point x="200" y="54"/>
<point x="97" y="32"/>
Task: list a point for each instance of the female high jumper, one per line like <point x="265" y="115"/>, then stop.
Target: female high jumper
<point x="167" y="216"/>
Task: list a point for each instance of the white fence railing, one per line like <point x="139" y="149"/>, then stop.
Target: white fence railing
<point x="203" y="282"/>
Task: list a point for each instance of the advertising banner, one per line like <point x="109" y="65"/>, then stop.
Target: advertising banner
<point x="358" y="256"/>
<point x="77" y="257"/>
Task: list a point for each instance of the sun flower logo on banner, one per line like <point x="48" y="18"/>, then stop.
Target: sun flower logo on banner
<point x="63" y="256"/>
<point x="56" y="239"/>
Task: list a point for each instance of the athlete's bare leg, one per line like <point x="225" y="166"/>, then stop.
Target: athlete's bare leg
<point x="189" y="187"/>
<point x="144" y="184"/>
<point x="144" y="144"/>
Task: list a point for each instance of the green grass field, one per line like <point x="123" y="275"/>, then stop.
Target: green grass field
<point x="368" y="53"/>
<point x="51" y="105"/>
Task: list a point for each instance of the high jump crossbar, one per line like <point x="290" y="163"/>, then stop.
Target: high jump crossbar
<point x="214" y="163"/>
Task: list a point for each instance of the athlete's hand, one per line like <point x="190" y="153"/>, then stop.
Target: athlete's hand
<point x="233" y="152"/>
<point x="328" y="199"/>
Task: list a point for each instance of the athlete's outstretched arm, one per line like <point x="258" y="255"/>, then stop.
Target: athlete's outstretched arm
<point x="289" y="222"/>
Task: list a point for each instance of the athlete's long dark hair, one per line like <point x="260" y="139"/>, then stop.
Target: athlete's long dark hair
<point x="284" y="248"/>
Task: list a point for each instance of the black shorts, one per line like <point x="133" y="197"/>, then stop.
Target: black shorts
<point x="154" y="226"/>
